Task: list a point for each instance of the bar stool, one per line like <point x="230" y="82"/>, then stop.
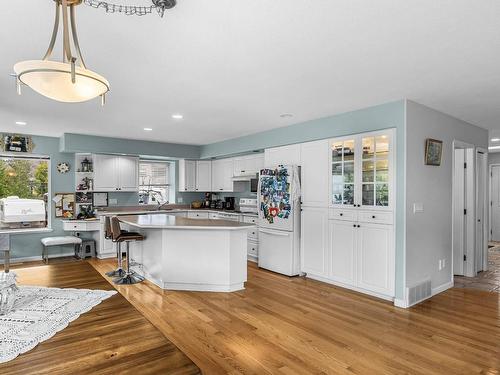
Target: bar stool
<point x="119" y="236"/>
<point x="119" y="272"/>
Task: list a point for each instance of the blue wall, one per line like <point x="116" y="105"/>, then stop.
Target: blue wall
<point x="390" y="115"/>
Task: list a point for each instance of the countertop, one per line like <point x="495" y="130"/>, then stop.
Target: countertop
<point x="166" y="221"/>
<point x="166" y="211"/>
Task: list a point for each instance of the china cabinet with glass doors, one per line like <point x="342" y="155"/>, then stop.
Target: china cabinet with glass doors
<point x="361" y="171"/>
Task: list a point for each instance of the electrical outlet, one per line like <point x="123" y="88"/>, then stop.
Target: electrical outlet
<point x="440" y="265"/>
<point x="443" y="263"/>
<point x="180" y="200"/>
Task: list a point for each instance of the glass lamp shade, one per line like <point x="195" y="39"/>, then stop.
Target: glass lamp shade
<point x="53" y="80"/>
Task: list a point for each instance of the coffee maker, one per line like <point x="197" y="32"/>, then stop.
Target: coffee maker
<point x="229" y="203"/>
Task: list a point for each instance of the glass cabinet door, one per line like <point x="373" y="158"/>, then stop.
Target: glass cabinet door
<point x="375" y="171"/>
<point x="343" y="172"/>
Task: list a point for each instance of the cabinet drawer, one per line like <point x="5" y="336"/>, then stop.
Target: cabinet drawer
<point x="81" y="226"/>
<point x="197" y="215"/>
<point x="250" y="219"/>
<point x="376" y="217"/>
<point x="253" y="234"/>
<point x="253" y="248"/>
<point x="342" y="214"/>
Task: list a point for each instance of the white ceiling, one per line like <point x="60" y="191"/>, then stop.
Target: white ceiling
<point x="233" y="66"/>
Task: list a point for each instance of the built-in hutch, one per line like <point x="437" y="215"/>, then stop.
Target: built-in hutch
<point x="347" y="226"/>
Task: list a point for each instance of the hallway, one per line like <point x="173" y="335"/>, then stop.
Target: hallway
<point x="489" y="280"/>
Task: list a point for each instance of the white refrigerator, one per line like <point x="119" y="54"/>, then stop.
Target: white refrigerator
<point x="279" y="219"/>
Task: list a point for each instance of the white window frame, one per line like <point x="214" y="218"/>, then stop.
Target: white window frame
<point x="15" y="155"/>
<point x="171" y="169"/>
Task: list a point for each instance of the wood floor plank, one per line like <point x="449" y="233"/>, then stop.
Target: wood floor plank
<point x="112" y="338"/>
<point x="281" y="325"/>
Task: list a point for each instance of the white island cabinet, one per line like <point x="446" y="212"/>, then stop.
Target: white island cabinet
<point x="190" y="254"/>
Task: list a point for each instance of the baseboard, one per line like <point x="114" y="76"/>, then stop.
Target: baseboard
<point x="402" y="303"/>
<point x="252" y="258"/>
<point x="37" y="258"/>
<point x="350" y="287"/>
<point x="442" y="288"/>
<point x="203" y="287"/>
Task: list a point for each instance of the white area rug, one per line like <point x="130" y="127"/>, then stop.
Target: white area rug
<point x="39" y="313"/>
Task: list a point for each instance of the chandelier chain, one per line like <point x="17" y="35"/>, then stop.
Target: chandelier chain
<point x="132" y="10"/>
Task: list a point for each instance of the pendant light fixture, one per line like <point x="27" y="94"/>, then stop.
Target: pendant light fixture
<point x="63" y="81"/>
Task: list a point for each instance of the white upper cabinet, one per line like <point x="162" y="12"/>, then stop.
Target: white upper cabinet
<point x="116" y="173"/>
<point x="203" y="175"/>
<point x="187" y="175"/>
<point x="105" y="173"/>
<point x="362" y="170"/>
<point x="285" y="155"/>
<point x="247" y="165"/>
<point x="314" y="173"/>
<point x="222" y="175"/>
<point x="128" y="179"/>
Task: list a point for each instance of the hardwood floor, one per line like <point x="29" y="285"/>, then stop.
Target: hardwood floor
<point x="488" y="280"/>
<point x="282" y="325"/>
<point x="112" y="338"/>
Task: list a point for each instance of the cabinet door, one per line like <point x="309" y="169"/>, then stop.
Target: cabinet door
<point x="187" y="175"/>
<point x="314" y="173"/>
<point x="285" y="155"/>
<point x="203" y="175"/>
<point x="128" y="167"/>
<point x="343" y="251"/>
<point x="314" y="241"/>
<point x="217" y="175"/>
<point x="106" y="173"/>
<point x="376" y="258"/>
<point x="376" y="170"/>
<point x="343" y="171"/>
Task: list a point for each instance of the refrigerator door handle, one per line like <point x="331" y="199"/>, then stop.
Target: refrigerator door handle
<point x="276" y="233"/>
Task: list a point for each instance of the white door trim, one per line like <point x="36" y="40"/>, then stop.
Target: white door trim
<point x="486" y="199"/>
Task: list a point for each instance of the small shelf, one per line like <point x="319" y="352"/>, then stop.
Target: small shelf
<point x="84" y="172"/>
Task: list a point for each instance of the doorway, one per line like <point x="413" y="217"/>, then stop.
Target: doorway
<point x="482" y="210"/>
<point x="464" y="198"/>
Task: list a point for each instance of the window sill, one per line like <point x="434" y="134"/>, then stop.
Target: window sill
<point x="25" y="231"/>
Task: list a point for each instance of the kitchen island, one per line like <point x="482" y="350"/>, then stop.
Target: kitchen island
<point x="180" y="253"/>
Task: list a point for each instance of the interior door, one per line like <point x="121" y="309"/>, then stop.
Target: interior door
<point x="129" y="173"/>
<point x="343" y="251"/>
<point x="481" y="197"/>
<point x="459" y="232"/>
<point x="495" y="203"/>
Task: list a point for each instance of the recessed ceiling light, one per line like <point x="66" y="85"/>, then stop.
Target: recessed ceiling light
<point x="177" y="116"/>
<point x="148" y="129"/>
<point x="495" y="139"/>
<point x="286" y="115"/>
<point x="493" y="147"/>
<point x="21" y="123"/>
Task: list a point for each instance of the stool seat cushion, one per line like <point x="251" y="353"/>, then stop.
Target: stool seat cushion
<point x="129" y="236"/>
<point x="63" y="240"/>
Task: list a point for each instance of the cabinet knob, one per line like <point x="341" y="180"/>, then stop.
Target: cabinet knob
<point x="354" y="225"/>
<point x="359" y="226"/>
<point x="373" y="217"/>
<point x="341" y="214"/>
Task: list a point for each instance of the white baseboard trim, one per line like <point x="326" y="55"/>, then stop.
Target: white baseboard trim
<point x="402" y="303"/>
<point x="37" y="258"/>
<point x="252" y="258"/>
<point x="350" y="287"/>
<point x="442" y="288"/>
<point x="203" y="287"/>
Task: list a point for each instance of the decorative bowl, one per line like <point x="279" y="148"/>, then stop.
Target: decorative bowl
<point x="8" y="292"/>
<point x="196" y="204"/>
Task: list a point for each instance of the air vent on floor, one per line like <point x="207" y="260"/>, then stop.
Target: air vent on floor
<point x="418" y="292"/>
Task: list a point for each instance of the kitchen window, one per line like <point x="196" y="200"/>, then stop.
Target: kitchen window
<point x="24" y="191"/>
<point x="154" y="182"/>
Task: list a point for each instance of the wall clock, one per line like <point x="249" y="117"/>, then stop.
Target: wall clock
<point x="63" y="167"/>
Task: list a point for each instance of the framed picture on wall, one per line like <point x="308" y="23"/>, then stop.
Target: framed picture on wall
<point x="433" y="152"/>
<point x="16" y="143"/>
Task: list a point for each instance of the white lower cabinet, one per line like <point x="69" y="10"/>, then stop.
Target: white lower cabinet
<point x="359" y="252"/>
<point x="376" y="258"/>
<point x="314" y="241"/>
<point x="343" y="251"/>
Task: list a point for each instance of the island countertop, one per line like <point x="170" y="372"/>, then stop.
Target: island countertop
<point x="165" y="221"/>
